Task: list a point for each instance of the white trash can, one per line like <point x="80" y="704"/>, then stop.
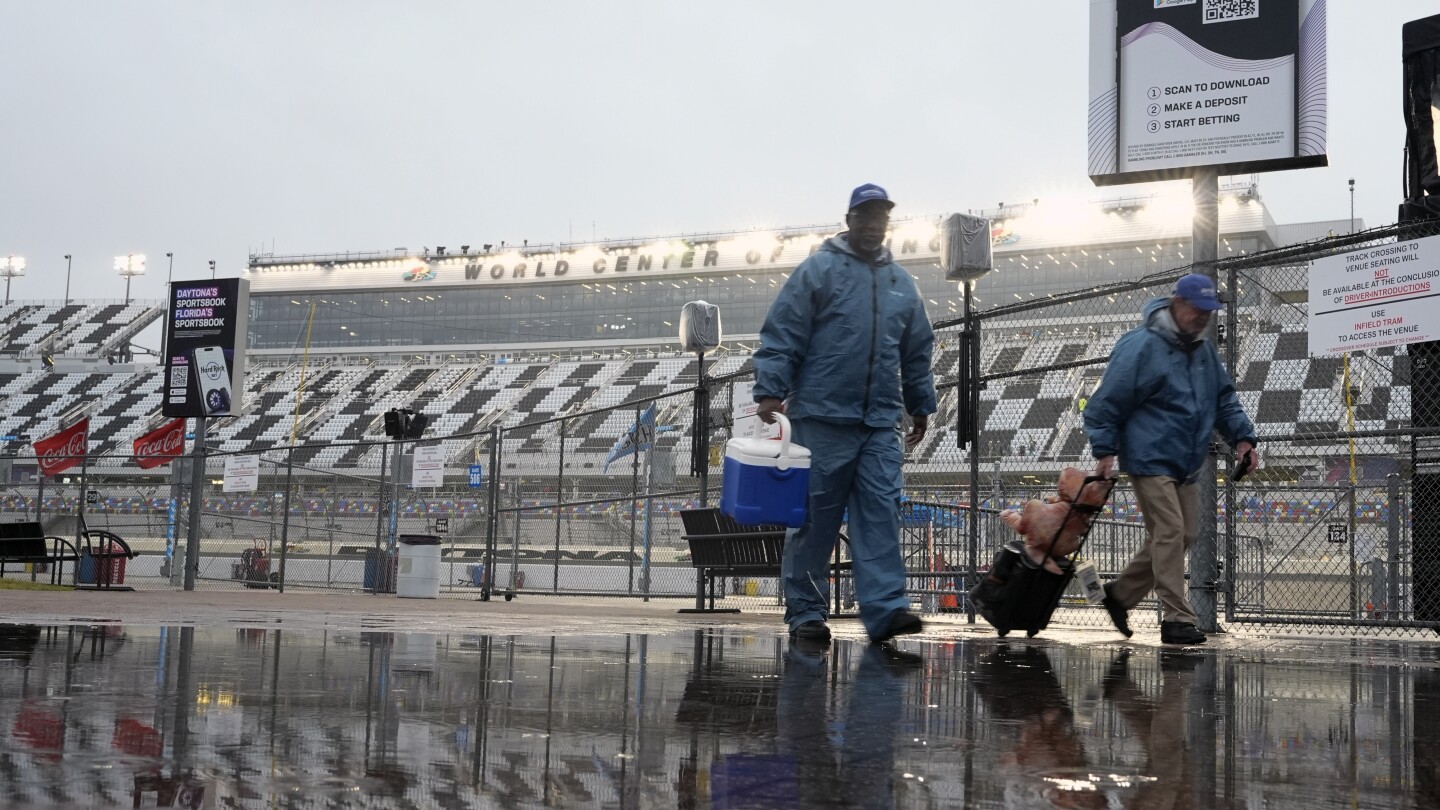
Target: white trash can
<point x="418" y="574"/>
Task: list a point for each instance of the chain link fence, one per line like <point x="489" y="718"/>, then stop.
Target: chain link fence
<point x="1334" y="531"/>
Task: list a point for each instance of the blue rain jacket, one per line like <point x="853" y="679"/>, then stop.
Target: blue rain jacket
<point x="1159" y="401"/>
<point x="847" y="341"/>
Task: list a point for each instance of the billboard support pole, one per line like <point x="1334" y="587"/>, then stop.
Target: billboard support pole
<point x="197" y="486"/>
<point x="971" y="437"/>
<point x="1204" y="554"/>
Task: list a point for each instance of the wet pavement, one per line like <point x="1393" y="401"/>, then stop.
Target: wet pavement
<point x="122" y="714"/>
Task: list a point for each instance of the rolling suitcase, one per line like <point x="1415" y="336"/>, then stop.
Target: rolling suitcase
<point x="1019" y="593"/>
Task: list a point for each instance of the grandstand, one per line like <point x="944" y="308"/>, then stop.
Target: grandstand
<point x="508" y="337"/>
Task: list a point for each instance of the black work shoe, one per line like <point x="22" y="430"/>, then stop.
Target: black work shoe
<point x="897" y="662"/>
<point x="902" y="623"/>
<point x="812" y="631"/>
<point x="811" y="647"/>
<point x="1180" y="633"/>
<point x="1181" y="661"/>
<point x="1118" y="614"/>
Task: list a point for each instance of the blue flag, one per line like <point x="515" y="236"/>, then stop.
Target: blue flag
<point x="641" y="435"/>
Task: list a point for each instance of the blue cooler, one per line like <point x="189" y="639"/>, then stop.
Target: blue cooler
<point x="766" y="481"/>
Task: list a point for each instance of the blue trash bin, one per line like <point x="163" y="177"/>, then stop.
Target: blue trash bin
<point x="85" y="571"/>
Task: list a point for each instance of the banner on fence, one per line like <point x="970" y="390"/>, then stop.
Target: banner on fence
<point x="1374" y="297"/>
<point x="61" y="451"/>
<point x="242" y="473"/>
<point x="428" y="469"/>
<point x="161" y="445"/>
<point x="640" y="435"/>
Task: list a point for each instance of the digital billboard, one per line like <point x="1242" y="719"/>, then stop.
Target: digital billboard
<point x="1238" y="85"/>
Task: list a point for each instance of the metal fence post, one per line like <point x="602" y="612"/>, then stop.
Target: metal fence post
<point x="1232" y="320"/>
<point x="515" y="542"/>
<point x="40" y="499"/>
<point x="1350" y="545"/>
<point x="381" y="508"/>
<point x="971" y="410"/>
<point x="285" y="518"/>
<point x="197" y="496"/>
<point x="492" y="520"/>
<point x="1204" y="554"/>
<point x="634" y="493"/>
<point x="1392" y="597"/>
<point x="559" y="497"/>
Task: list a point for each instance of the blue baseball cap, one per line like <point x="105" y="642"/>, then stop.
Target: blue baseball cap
<point x="869" y="193"/>
<point x="1198" y="291"/>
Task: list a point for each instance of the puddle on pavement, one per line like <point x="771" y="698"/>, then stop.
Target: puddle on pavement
<point x="111" y="715"/>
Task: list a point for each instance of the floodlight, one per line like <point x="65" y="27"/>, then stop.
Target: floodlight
<point x="130" y="265"/>
<point x="10" y="267"/>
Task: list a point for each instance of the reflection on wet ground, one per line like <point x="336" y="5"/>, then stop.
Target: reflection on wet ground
<point x="113" y="715"/>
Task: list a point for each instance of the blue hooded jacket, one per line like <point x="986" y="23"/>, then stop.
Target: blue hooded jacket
<point x="1160" y="398"/>
<point x="847" y="341"/>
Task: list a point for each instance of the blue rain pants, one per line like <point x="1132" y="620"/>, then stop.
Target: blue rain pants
<point x="855" y="467"/>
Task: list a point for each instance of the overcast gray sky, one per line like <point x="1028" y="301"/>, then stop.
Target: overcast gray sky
<point x="212" y="129"/>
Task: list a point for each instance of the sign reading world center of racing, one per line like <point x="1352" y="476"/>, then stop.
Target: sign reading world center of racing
<point x="205" y="347"/>
<point x="1374" y="297"/>
<point x="1239" y="85"/>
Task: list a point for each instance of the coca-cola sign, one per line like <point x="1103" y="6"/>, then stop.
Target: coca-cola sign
<point x="160" y="445"/>
<point x="63" y="450"/>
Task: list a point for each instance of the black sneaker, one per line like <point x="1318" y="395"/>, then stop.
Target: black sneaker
<point x="1118" y="614"/>
<point x="814" y="630"/>
<point x="1180" y="633"/>
<point x="902" y="623"/>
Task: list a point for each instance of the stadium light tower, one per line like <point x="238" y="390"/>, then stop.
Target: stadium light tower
<point x="10" y="267"/>
<point x="130" y="266"/>
<point x="67" y="278"/>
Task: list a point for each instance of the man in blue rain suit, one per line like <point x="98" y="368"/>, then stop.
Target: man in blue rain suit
<point x="845" y="346"/>
<point x="1164" y="392"/>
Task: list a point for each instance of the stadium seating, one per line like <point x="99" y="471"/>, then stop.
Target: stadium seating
<point x="1028" y="419"/>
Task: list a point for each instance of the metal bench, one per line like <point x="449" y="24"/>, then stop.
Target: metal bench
<point x="26" y="542"/>
<point x="720" y="547"/>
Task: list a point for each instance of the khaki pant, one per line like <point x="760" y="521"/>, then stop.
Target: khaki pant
<point x="1171" y="511"/>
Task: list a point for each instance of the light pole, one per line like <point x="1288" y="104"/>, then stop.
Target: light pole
<point x="67" y="278"/>
<point x="1352" y="205"/>
<point x="170" y="273"/>
<point x="212" y="269"/>
<point x="130" y="266"/>
<point x="10" y="267"/>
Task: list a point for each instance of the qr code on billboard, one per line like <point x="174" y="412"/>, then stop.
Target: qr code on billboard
<point x="1231" y="10"/>
<point x="179" y="376"/>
